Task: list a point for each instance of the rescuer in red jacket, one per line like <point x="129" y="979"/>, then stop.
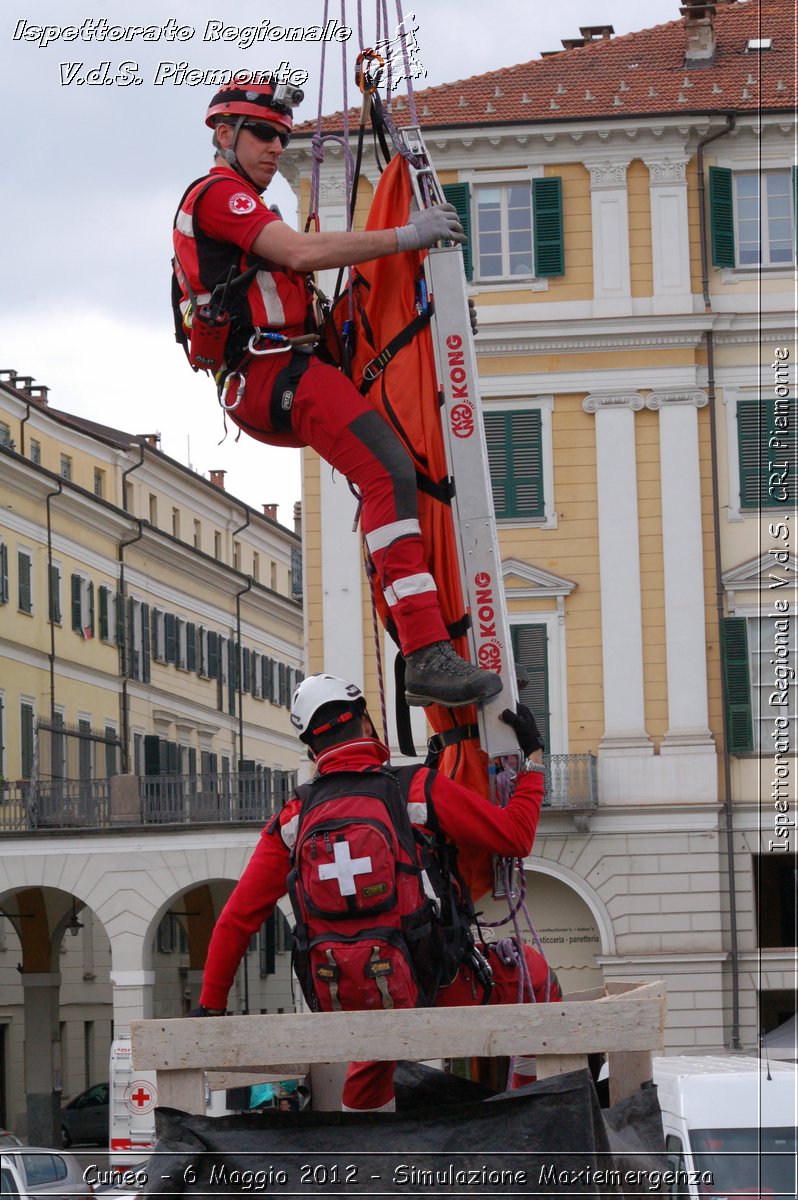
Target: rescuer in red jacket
<point x="330" y="716"/>
<point x="241" y="299"/>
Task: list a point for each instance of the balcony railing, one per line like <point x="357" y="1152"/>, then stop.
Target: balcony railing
<point x="214" y="799"/>
<point x="571" y="781"/>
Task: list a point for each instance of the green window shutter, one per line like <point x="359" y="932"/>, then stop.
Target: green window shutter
<point x="737" y="683"/>
<point x="267" y="686"/>
<point x="548" y="225"/>
<point x="530" y="649"/>
<point x="103" y="607"/>
<point x="213" y="655"/>
<point x="91" y="609"/>
<point x="169" y="639"/>
<point x="54" y="593"/>
<point x="120" y="619"/>
<point x="282" y="684"/>
<point x="191" y="646"/>
<point x="76" y="607"/>
<point x="3" y="573"/>
<point x="25" y="593"/>
<point x="459" y="194"/>
<point x="145" y="644"/>
<point x="26" y="740"/>
<point x="515" y="455"/>
<point x="721" y="216"/>
<point x="767" y="449"/>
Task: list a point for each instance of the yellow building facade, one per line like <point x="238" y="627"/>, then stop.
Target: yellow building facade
<point x="631" y="355"/>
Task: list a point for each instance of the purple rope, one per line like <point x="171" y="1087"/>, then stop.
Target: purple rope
<point x="317" y="144"/>
<point x="411" y="100"/>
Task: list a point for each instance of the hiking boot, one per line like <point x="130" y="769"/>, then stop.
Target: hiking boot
<point x="436" y="674"/>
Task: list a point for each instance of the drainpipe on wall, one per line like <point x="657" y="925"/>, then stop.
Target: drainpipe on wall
<point x="728" y="809"/>
<point x="51" y="496"/>
<point x="239" y="650"/>
<point x="124" y="707"/>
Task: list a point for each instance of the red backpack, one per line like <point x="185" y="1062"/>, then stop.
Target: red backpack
<point x="368" y="931"/>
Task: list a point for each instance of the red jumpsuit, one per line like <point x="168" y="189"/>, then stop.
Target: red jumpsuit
<point x="465" y="817"/>
<point x="328" y="412"/>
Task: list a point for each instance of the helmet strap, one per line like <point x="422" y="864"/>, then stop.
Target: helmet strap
<point x="229" y="154"/>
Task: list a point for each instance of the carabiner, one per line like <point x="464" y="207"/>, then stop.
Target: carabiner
<point x="365" y="80"/>
<point x="242" y="387"/>
<point x="252" y="344"/>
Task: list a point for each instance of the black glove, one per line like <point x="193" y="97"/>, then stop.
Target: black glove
<point x="525" y="727"/>
<point x="202" y="1011"/>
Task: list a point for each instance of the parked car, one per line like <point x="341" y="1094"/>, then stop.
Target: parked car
<point x="7" y="1138"/>
<point x="27" y="1171"/>
<point x="85" y="1119"/>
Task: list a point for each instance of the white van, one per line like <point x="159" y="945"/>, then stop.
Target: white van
<point x="729" y="1124"/>
<point x="132" y="1097"/>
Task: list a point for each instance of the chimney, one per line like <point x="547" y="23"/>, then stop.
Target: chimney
<point x="596" y="33"/>
<point x="270" y="511"/>
<point x="298" y="518"/>
<point x="217" y="478"/>
<point x="700" y="30"/>
<point x="152" y="439"/>
<point x="39" y="394"/>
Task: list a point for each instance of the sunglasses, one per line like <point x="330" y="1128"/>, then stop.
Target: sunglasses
<point x="267" y="133"/>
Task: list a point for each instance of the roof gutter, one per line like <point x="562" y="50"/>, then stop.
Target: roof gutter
<point x="728" y="808"/>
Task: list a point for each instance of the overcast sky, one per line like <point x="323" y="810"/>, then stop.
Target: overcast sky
<point x="93" y="174"/>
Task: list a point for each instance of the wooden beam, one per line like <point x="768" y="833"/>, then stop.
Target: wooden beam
<point x="631" y="1021"/>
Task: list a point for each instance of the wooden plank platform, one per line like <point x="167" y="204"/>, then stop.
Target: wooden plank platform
<point x="626" y="1021"/>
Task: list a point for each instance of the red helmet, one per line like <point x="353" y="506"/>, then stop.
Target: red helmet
<point x="244" y="99"/>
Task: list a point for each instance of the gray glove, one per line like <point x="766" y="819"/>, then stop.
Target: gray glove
<point x="472" y="315"/>
<point x="428" y="226"/>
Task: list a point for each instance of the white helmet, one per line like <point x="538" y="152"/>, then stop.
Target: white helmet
<point x="316" y="691"/>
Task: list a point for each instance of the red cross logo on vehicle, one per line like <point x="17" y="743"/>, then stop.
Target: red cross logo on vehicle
<point x="140" y="1096"/>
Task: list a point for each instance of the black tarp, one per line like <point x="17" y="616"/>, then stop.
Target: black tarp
<point x="548" y="1138"/>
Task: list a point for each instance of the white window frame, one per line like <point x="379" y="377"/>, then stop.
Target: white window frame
<point x="557" y="673"/>
<point x="765" y="164"/>
<point x="29" y="555"/>
<point x="732" y="396"/>
<point x="764" y="262"/>
<point x="112" y="594"/>
<point x="502" y="179"/>
<point x="85" y="601"/>
<point x="56" y="566"/>
<point x="501" y="403"/>
<point x="762" y="715"/>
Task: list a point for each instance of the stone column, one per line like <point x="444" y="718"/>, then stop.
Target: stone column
<point x="133" y="998"/>
<point x="670" y="236"/>
<point x="612" y="281"/>
<point x="42" y="1057"/>
<point x="619" y="572"/>
<point x="683" y="554"/>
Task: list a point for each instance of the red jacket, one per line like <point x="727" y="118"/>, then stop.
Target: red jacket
<point x="214" y="228"/>
<point x="469" y="820"/>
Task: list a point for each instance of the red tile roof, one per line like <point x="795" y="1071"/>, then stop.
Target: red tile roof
<point x="639" y="74"/>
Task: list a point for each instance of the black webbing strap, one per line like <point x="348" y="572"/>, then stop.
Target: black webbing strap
<point x="459" y="628"/>
<point x="452" y="737"/>
<point x="442" y="490"/>
<point x="404" y="731"/>
<point x="374" y="369"/>
<point x="284" y="390"/>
